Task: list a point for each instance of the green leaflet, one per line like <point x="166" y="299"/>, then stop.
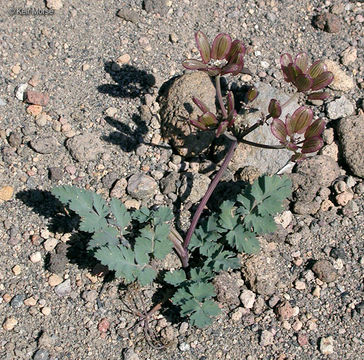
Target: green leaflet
<point x="91" y="207"/>
<point x="162" y="215"/>
<point x="121" y="214"/>
<point x="142" y="215"/>
<point x="176" y="277"/>
<point x="203" y="316"/>
<point x="195" y="302"/>
<point x="227" y="219"/>
<point x="108" y="236"/>
<point x="121" y="260"/>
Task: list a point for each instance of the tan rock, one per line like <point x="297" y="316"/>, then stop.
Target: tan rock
<point x="343" y="198"/>
<point x="16" y="270"/>
<point x="35" y="257"/>
<point x="123" y="59"/>
<point x="54" y="280"/>
<point x="34" y="110"/>
<point x="10" y="323"/>
<point x="46" y="311"/>
<point x="16" y="69"/>
<point x="342" y="81"/>
<point x="31" y="301"/>
<point x="6" y="193"/>
<point x="349" y="55"/>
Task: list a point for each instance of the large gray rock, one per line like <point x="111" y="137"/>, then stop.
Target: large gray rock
<point x="310" y="176"/>
<point x="351" y="136"/>
<point x="265" y="160"/>
<point x="177" y="108"/>
<point x="84" y="147"/>
<point x="141" y="186"/>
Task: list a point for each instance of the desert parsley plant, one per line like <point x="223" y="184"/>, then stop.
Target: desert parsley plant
<point x="129" y="241"/>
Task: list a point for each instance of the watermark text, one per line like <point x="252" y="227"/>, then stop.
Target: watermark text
<point x="31" y="11"/>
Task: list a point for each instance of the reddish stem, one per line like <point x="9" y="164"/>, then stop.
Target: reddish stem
<point x="204" y="201"/>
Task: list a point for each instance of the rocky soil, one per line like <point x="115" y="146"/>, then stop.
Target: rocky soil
<point x="93" y="94"/>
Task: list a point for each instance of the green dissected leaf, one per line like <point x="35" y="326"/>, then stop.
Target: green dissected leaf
<point x="146" y="275"/>
<point x="108" y="236"/>
<point x="162" y="244"/>
<point x="121" y="214"/>
<point x="142" y="248"/>
<point x="227" y="219"/>
<point x="247" y="202"/>
<point x="249" y="243"/>
<point x="201" y="291"/>
<point x="223" y="261"/>
<point x="100" y="206"/>
<point x="270" y="191"/>
<point x="176" y="277"/>
<point x="212" y="224"/>
<point x="189" y="306"/>
<point x="89" y="206"/>
<point x="67" y="193"/>
<point x="240" y="238"/>
<point x="260" y="224"/>
<point x="181" y="296"/>
<point x="142" y="215"/>
<point x="163" y="214"/>
<point x="121" y="260"/>
<point x="204" y="240"/>
<point x="92" y="222"/>
<point x="202" y="317"/>
<point x="201" y="274"/>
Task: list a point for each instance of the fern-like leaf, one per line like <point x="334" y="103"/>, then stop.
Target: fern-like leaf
<point x="91" y="207"/>
<point x="121" y="214"/>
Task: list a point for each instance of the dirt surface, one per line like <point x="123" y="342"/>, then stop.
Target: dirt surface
<point x="96" y="70"/>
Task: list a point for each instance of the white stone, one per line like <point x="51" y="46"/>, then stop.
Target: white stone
<point x="20" y="90"/>
<point x="247" y="297"/>
<point x="327" y="345"/>
<point x="35" y="257"/>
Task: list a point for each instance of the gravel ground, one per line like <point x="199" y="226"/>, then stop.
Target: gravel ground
<point x="79" y="100"/>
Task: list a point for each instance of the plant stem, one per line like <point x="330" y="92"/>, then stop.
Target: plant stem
<point x="260" y="123"/>
<point x="204" y="201"/>
<point x="219" y="96"/>
<point x="264" y="146"/>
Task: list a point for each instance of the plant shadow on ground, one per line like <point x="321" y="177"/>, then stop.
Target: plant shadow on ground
<point x="74" y="250"/>
<point x="131" y="83"/>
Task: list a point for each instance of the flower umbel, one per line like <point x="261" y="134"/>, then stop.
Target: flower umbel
<point x="290" y="132"/>
<point x="304" y="77"/>
<point x="223" y="57"/>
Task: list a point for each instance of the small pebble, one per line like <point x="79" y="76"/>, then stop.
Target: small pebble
<point x="34" y="110"/>
<point x="327" y="345"/>
<point x="41" y="354"/>
<point x="64" y="288"/>
<point x="300" y="285"/>
<point x="6" y="193"/>
<point x="50" y="244"/>
<point x="17" y="301"/>
<point x="103" y="325"/>
<point x="35" y="257"/>
<point x="266" y="338"/>
<point x="46" y="311"/>
<point x="111" y="111"/>
<point x="10" y="323"/>
<point x="54" y="280"/>
<point x="54" y="4"/>
<point x="31" y="301"/>
<point x="16" y="69"/>
<point x="247" y="297"/>
<point x="237" y="314"/>
<point x="16" y="270"/>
